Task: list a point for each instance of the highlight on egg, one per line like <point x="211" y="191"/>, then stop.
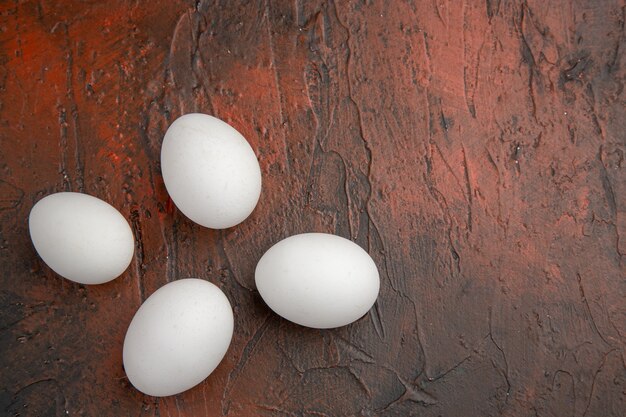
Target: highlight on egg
<point x="318" y="280"/>
<point x="81" y="237"/>
<point x="210" y="171"/>
<point x="178" y="337"/>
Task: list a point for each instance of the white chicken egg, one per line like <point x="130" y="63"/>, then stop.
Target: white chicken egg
<point x="81" y="237"/>
<point x="210" y="171"/>
<point x="177" y="337"/>
<point x="318" y="280"/>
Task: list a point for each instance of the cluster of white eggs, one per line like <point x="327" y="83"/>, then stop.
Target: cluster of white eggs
<point x="182" y="331"/>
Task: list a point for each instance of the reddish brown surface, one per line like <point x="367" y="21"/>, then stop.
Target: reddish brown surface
<point x="475" y="148"/>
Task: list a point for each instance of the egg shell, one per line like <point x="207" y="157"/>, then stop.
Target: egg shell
<point x="177" y="337"/>
<point x="81" y="237"/>
<point x="318" y="280"/>
<point x="210" y="171"/>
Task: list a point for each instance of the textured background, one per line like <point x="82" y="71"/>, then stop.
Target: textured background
<point x="474" y="148"/>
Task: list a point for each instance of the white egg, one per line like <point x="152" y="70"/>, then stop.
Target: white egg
<point x="178" y="337"/>
<point x="318" y="280"/>
<point x="81" y="237"/>
<point x="210" y="171"/>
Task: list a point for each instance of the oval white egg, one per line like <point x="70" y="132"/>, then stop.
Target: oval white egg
<point x="318" y="280"/>
<point x="177" y="337"/>
<point x="81" y="237"/>
<point x="210" y="171"/>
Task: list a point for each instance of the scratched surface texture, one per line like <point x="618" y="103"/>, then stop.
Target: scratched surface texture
<point x="474" y="148"/>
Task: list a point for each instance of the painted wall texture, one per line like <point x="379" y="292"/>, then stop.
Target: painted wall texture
<point x="474" y="148"/>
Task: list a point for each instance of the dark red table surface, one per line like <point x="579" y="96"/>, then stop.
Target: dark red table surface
<point x="474" y="148"/>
